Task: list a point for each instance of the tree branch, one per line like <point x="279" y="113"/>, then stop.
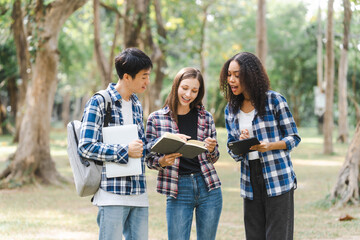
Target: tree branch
<point x="115" y="10"/>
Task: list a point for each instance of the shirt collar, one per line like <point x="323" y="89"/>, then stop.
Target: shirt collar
<point x="166" y="109"/>
<point x="115" y="94"/>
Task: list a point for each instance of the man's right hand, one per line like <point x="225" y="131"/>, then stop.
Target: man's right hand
<point x="135" y="149"/>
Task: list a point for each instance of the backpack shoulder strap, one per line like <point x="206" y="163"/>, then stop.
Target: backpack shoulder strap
<point x="108" y="104"/>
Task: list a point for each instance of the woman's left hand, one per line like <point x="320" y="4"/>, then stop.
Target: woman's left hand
<point x="210" y="144"/>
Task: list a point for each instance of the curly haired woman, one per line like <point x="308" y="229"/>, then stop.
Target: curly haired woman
<point x="268" y="179"/>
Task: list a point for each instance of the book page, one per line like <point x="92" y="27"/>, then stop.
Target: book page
<point x="196" y="142"/>
<point x="172" y="136"/>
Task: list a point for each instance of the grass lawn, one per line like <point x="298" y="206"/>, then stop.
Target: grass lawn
<point x="49" y="212"/>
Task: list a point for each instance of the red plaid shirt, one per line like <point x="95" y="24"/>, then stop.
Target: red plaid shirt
<point x="160" y="122"/>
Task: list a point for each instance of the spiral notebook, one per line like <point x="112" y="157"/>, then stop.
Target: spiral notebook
<point x="123" y="134"/>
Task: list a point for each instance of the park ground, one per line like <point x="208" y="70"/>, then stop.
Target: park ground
<point x="56" y="212"/>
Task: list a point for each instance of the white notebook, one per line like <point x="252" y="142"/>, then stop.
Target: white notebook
<point x="123" y="134"/>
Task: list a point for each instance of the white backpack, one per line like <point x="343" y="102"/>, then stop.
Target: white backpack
<point x="87" y="172"/>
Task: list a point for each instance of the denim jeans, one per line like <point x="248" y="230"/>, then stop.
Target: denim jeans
<point x="193" y="194"/>
<point x="269" y="218"/>
<point x="114" y="221"/>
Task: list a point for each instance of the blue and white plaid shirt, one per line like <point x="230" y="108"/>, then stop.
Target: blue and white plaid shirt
<point x="277" y="125"/>
<point x="92" y="147"/>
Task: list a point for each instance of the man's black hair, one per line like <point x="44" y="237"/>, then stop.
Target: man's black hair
<point x="131" y="61"/>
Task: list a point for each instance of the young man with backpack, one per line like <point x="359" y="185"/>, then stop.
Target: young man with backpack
<point x="122" y="201"/>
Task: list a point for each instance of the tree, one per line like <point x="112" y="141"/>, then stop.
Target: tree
<point x="346" y="189"/>
<point x="292" y="62"/>
<point x="342" y="77"/>
<point x="319" y="89"/>
<point x="23" y="59"/>
<point x="261" y="36"/>
<point x="32" y="160"/>
<point x="135" y="16"/>
<point x="319" y="53"/>
<point x="8" y="70"/>
<point x="158" y="46"/>
<point x="202" y="46"/>
<point x="329" y="79"/>
<point x="105" y="65"/>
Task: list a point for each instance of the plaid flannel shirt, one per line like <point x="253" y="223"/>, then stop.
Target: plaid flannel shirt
<point x="277" y="125"/>
<point x="92" y="147"/>
<point x="160" y="122"/>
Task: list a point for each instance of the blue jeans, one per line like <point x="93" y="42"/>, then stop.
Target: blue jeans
<point x="193" y="194"/>
<point x="114" y="221"/>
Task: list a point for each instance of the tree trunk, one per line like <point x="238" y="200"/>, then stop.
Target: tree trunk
<point x="23" y="59"/>
<point x="342" y="78"/>
<point x="32" y="161"/>
<point x="65" y="108"/>
<point x="202" y="53"/>
<point x="13" y="94"/>
<point x="329" y="78"/>
<point x="77" y="111"/>
<point x="136" y="15"/>
<point x="319" y="37"/>
<point x="353" y="77"/>
<point x="105" y="66"/>
<point x="295" y="109"/>
<point x="100" y="57"/>
<point x="2" y="117"/>
<point x="159" y="59"/>
<point x="320" y="81"/>
<point x="347" y="189"/>
<point x="261" y="36"/>
<point x="357" y="108"/>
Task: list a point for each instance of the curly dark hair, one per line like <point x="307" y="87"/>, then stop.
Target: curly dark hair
<point x="253" y="78"/>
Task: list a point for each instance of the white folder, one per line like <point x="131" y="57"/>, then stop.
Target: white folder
<point x="123" y="134"/>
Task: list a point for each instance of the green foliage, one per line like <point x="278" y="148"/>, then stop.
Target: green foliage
<point x="76" y="69"/>
<point x="231" y="28"/>
<point x="291" y="60"/>
<point x="8" y="61"/>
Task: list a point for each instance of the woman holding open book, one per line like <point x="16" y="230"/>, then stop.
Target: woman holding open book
<point x="268" y="179"/>
<point x="189" y="183"/>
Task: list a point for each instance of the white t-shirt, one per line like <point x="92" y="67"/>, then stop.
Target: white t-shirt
<point x="104" y="198"/>
<point x="245" y="122"/>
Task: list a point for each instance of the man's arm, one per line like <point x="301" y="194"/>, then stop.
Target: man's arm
<point x="90" y="142"/>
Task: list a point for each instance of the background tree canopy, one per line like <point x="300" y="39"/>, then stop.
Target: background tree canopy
<point x="231" y="27"/>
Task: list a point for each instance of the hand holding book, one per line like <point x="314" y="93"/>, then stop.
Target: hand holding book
<point x="169" y="159"/>
<point x="173" y="143"/>
<point x="210" y="144"/>
<point x="243" y="146"/>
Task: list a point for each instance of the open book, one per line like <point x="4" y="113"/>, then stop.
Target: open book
<point x="170" y="143"/>
<point x="243" y="146"/>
